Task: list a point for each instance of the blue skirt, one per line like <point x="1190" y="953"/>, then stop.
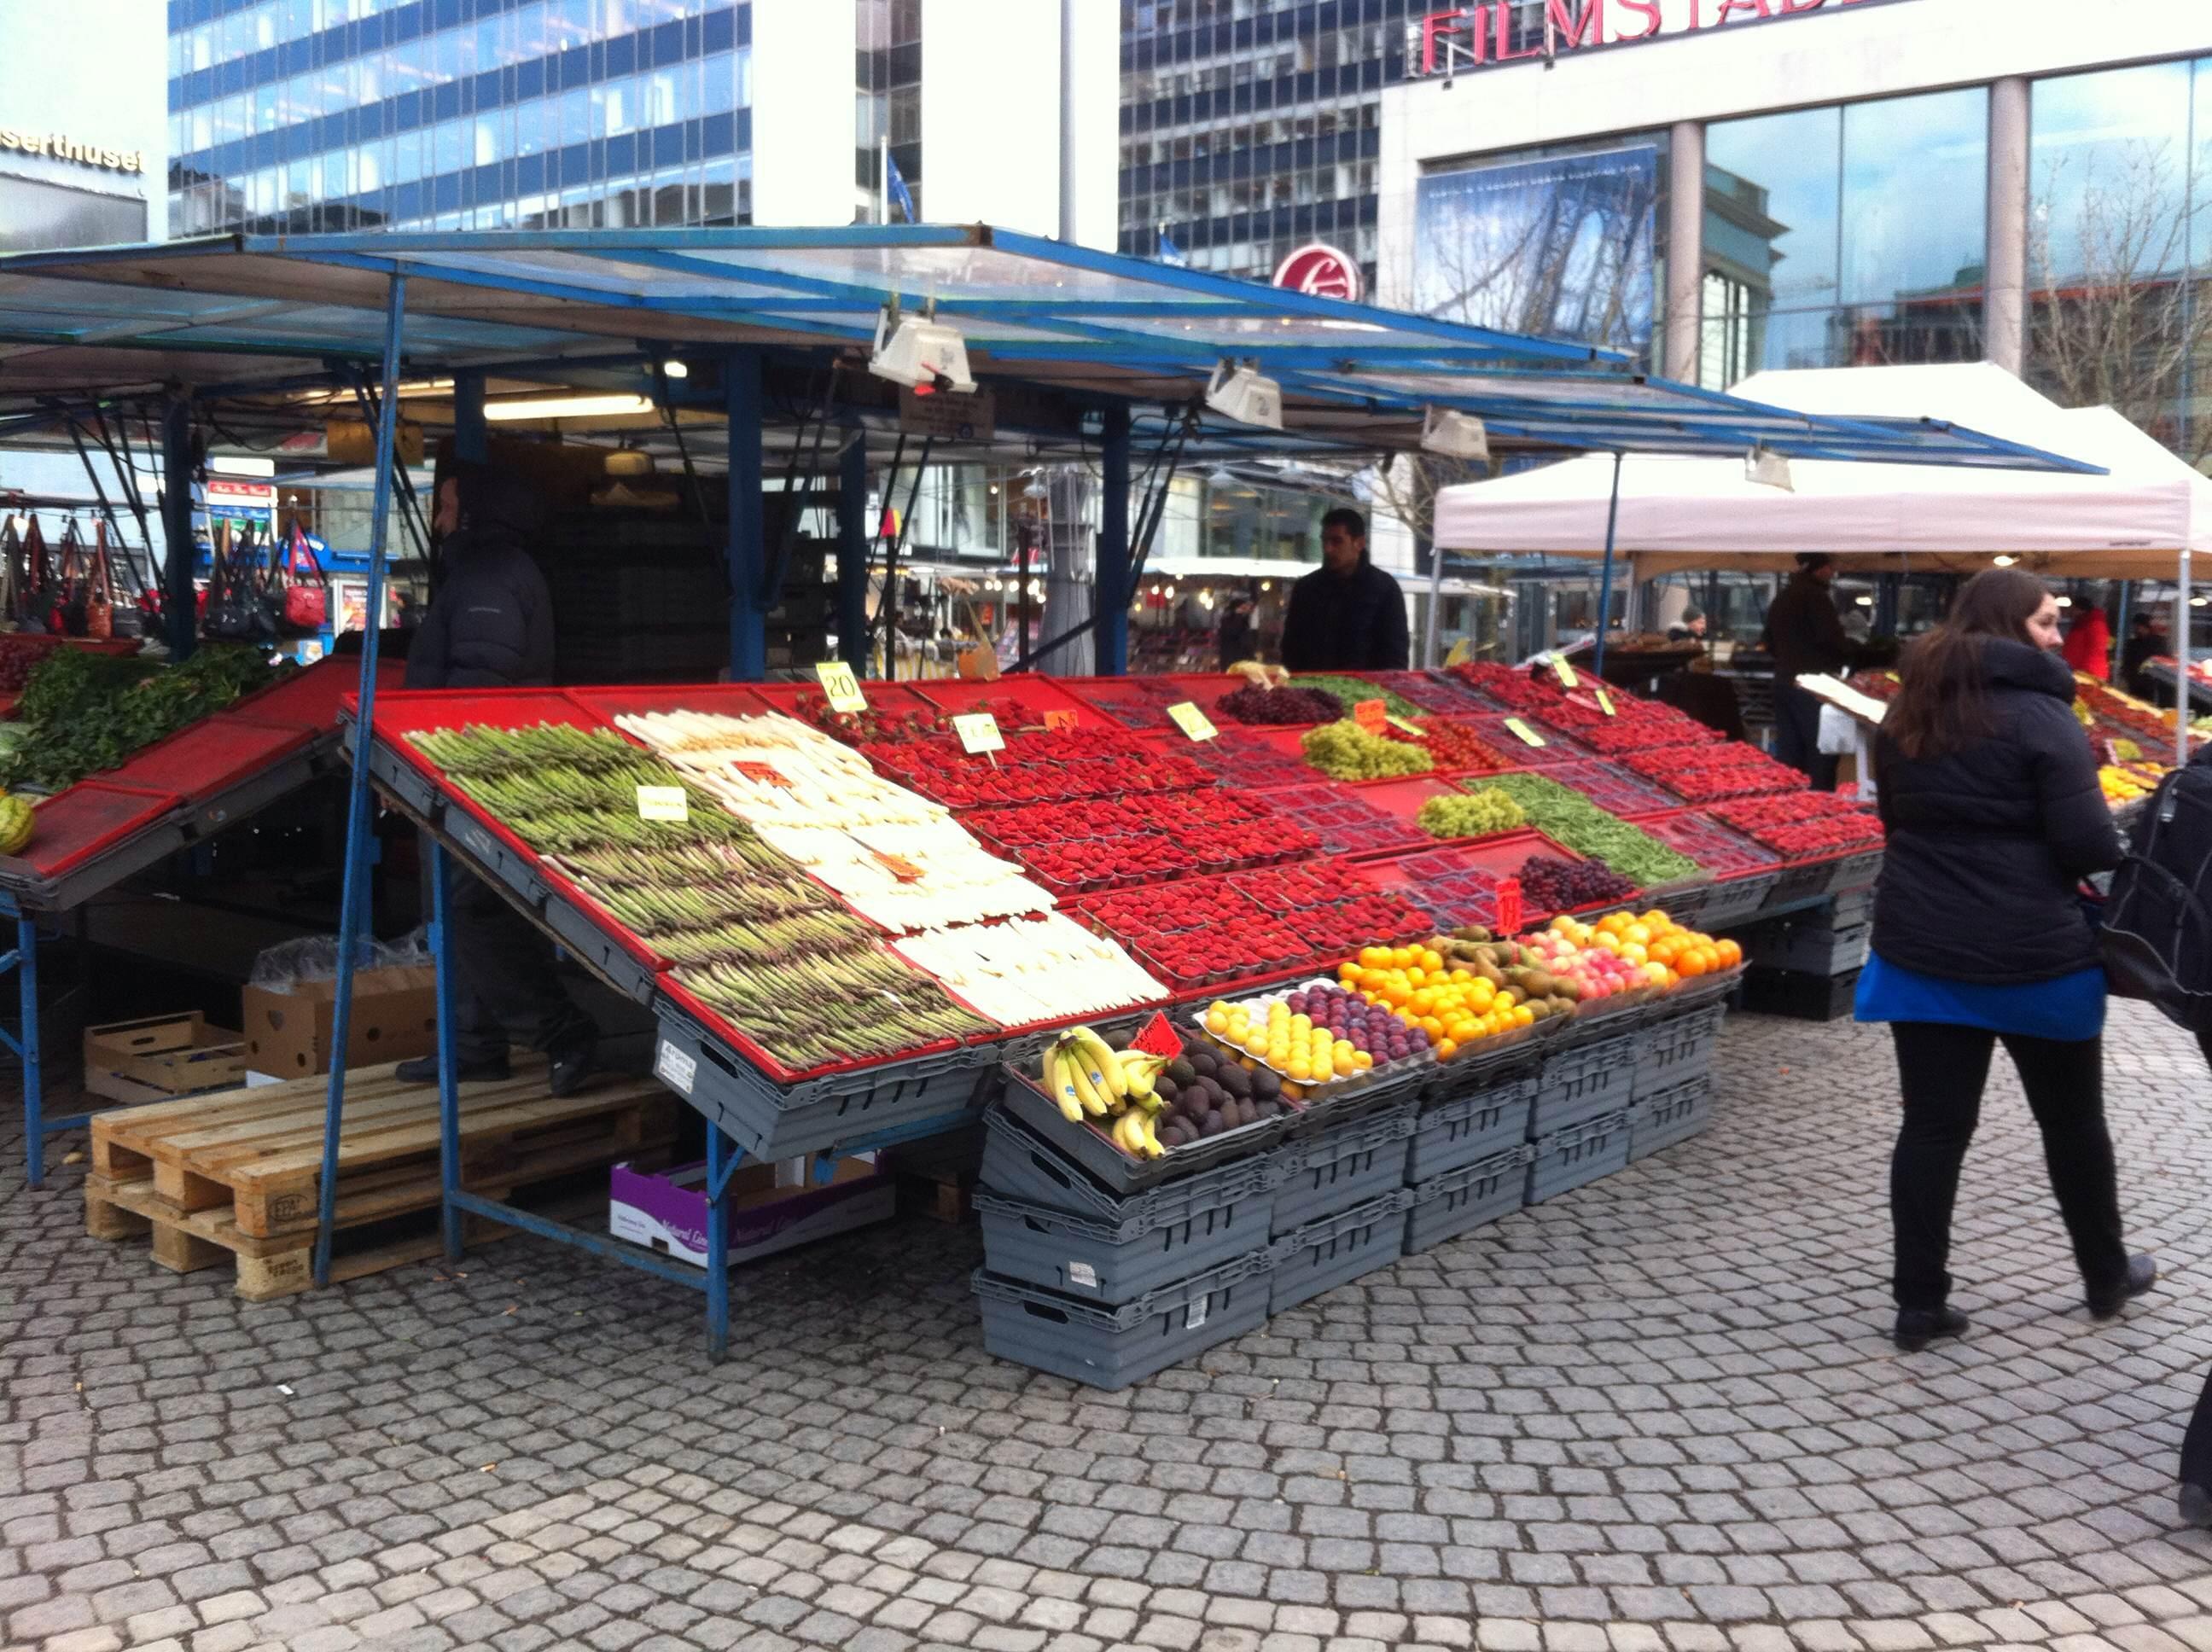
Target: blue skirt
<point x="2068" y="1008"/>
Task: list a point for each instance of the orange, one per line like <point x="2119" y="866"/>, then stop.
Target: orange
<point x="1730" y="952"/>
<point x="1446" y="1050"/>
<point x="1636" y="934"/>
<point x="1524" y="1016"/>
<point x="1691" y="963"/>
<point x="1432" y="961"/>
<point x="1431" y="1025"/>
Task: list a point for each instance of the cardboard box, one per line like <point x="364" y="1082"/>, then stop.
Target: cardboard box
<point x="666" y="1211"/>
<point x="395" y="1019"/>
<point x="160" y="1057"/>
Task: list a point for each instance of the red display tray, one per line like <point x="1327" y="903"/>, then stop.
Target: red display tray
<point x="1720" y="852"/>
<point x="954" y="696"/>
<point x="1613" y="789"/>
<point x="211" y="756"/>
<point x="1137" y="703"/>
<point x="75" y="825"/>
<point x="722" y="699"/>
<point x="1445" y="696"/>
<point x="1205" y="690"/>
<point x="313" y="697"/>
<point x="886" y="699"/>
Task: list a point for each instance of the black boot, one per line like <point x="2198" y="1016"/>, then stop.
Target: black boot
<point x="573" y="1067"/>
<point x="2195" y="1503"/>
<point x="1919" y="1327"/>
<point x="423" y="1069"/>
<point x="2141" y="1275"/>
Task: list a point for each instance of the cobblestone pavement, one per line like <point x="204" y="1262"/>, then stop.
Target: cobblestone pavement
<point x="1659" y="1413"/>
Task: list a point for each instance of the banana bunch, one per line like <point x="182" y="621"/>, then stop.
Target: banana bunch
<point x="1090" y="1079"/>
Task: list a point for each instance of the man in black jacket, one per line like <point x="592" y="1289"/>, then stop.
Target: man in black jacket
<point x="1805" y="634"/>
<point x="1347" y="615"/>
<point x="491" y="626"/>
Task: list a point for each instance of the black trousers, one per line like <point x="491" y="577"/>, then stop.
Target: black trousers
<point x="1797" y="736"/>
<point x="505" y="982"/>
<point x="1942" y="1070"/>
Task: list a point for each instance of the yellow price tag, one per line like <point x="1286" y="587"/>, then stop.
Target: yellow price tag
<point x="1565" y="668"/>
<point x="1605" y="703"/>
<point x="842" y="688"/>
<point x="1460" y="653"/>
<point x="979" y="733"/>
<point x="1523" y="732"/>
<point x="663" y="803"/>
<point x="1413" y="729"/>
<point x="1186" y="716"/>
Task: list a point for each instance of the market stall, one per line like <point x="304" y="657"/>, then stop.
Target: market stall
<point x="865" y="955"/>
<point x="2138" y="513"/>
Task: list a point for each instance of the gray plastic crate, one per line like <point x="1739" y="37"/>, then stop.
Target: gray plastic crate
<point x="1323" y="1255"/>
<point x="1331" y="1172"/>
<point x="773" y="1122"/>
<point x="1474" y="1127"/>
<point x="1672" y="1114"/>
<point x="1489" y="1061"/>
<point x="1576" y="1085"/>
<point x="1733" y="899"/>
<point x="1116" y="1262"/>
<point x="1112" y="1347"/>
<point x="1849" y="907"/>
<point x="1574" y="1157"/>
<point x="1857" y="872"/>
<point x="1094" y="1149"/>
<point x="1679" y="1047"/>
<point x="1019" y="1163"/>
<point x="501" y="861"/>
<point x="599" y="951"/>
<point x="1459" y="1201"/>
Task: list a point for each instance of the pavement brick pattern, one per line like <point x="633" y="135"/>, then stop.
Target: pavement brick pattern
<point x="1657" y="1415"/>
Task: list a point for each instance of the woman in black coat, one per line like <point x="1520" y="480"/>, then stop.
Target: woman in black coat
<point x="1990" y="793"/>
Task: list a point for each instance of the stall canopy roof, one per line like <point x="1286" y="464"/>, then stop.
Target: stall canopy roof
<point x="1701" y="512"/>
<point x="250" y="314"/>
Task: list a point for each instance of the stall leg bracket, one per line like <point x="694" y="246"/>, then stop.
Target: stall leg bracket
<point x="23" y="1044"/>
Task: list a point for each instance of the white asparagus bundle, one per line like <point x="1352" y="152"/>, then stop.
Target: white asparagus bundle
<point x="1032" y="969"/>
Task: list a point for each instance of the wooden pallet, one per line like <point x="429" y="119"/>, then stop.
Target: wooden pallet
<point x="235" y="1177"/>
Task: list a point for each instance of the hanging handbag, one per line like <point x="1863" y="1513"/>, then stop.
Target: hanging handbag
<point x="99" y="590"/>
<point x="68" y="617"/>
<point x="11" y="556"/>
<point x="306" y="603"/>
<point x="232" y="613"/>
<point x="36" y="591"/>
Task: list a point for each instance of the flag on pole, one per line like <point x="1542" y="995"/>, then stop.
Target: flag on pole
<point x="901" y="195"/>
<point x="1169" y="253"/>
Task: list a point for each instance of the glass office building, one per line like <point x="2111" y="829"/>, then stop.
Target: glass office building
<point x="324" y="115"/>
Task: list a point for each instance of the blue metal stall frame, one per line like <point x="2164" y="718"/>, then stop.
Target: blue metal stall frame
<point x="1131" y="334"/>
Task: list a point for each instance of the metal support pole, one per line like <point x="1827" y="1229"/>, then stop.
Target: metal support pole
<point x="471" y="433"/>
<point x="1110" y="579"/>
<point x="2182" y="611"/>
<point x="720" y="1163"/>
<point x="1682" y="344"/>
<point x="449" y="1088"/>
<point x="354" y="904"/>
<point x="853" y="549"/>
<point x="27" y="1048"/>
<point x="180" y="611"/>
<point x="1605" y="579"/>
<point x="747" y="550"/>
<point x="2120" y="628"/>
<point x="1433" y="634"/>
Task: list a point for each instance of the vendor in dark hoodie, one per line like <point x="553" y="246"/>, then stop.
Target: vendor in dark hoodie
<point x="490" y="626"/>
<point x="1347" y="615"/>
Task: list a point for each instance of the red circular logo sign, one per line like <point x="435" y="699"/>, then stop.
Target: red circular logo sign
<point x="1320" y="270"/>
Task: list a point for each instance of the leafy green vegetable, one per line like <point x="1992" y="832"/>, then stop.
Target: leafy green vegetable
<point x="1569" y="817"/>
<point x="84" y="712"/>
<point x="1352" y="690"/>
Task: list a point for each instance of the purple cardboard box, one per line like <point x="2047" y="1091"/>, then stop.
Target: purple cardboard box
<point x="666" y="1211"/>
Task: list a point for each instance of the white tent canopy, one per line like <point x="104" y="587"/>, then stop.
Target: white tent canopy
<point x="1701" y="512"/>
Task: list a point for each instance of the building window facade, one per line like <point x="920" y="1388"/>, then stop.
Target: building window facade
<point x="2119" y="245"/>
<point x="1819" y="245"/>
<point x="887" y="106"/>
<point x="309" y="116"/>
<point x="1251" y="127"/>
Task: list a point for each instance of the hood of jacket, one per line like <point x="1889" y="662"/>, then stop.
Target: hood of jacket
<point x="498" y="510"/>
<point x="2007" y="663"/>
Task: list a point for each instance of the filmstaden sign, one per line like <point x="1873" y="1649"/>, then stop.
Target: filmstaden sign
<point x="1469" y="37"/>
